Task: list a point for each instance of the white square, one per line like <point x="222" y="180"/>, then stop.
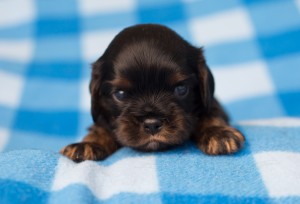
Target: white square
<point x="85" y="97"/>
<point x="132" y="175"/>
<point x="242" y="81"/>
<point x="95" y="6"/>
<point x="273" y="122"/>
<point x="16" y="50"/>
<point x="10" y="89"/>
<point x="4" y="134"/>
<point x="14" y="12"/>
<point x="280" y="172"/>
<point x="221" y="27"/>
<point x="95" y="43"/>
<point x="298" y="4"/>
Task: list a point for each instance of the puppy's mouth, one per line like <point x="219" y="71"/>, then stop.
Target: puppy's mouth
<point x="157" y="131"/>
<point x="152" y="146"/>
<point x="155" y="143"/>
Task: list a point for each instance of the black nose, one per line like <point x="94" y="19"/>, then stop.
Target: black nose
<point x="152" y="125"/>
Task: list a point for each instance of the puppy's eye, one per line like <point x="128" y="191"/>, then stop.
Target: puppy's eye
<point x="181" y="91"/>
<point x="119" y="95"/>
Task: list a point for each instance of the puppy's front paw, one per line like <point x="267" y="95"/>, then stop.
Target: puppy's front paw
<point x="220" y="140"/>
<point x="84" y="151"/>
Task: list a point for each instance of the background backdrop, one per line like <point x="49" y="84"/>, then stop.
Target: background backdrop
<point x="46" y="48"/>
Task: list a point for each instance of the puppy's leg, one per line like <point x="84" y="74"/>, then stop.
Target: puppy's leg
<point x="97" y="145"/>
<point x="214" y="135"/>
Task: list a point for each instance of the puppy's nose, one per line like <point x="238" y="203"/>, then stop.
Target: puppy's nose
<point x="152" y="125"/>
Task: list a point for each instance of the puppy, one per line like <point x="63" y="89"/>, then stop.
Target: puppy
<point x="152" y="90"/>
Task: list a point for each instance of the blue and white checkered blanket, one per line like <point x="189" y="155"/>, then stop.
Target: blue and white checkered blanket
<point x="46" y="48"/>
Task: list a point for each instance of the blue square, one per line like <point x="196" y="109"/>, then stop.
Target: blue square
<point x="117" y="21"/>
<point x="57" y="49"/>
<point x="20" y="31"/>
<point x="86" y="70"/>
<point x="33" y="167"/>
<point x="230" y="53"/>
<point x="255" y="108"/>
<point x="65" y="70"/>
<point x="212" y="198"/>
<point x="162" y="13"/>
<point x="85" y="122"/>
<point x="132" y="198"/>
<point x="271" y="138"/>
<point x="290" y="102"/>
<point x="259" y="1"/>
<point x="271" y="17"/>
<point x="201" y="8"/>
<point x="57" y="8"/>
<point x="41" y="94"/>
<point x="285" y="43"/>
<point x="57" y="26"/>
<point x="156" y="3"/>
<point x="13" y="66"/>
<point x="14" y="191"/>
<point x="179" y="172"/>
<point x="6" y="116"/>
<point x="34" y="140"/>
<point x="285" y="72"/>
<point x="60" y="123"/>
<point x="181" y="28"/>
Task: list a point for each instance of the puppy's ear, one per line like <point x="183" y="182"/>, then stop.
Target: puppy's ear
<point x="95" y="89"/>
<point x="206" y="82"/>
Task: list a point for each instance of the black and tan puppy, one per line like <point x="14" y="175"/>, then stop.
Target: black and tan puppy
<point x="152" y="90"/>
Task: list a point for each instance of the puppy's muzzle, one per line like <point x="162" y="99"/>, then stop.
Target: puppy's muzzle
<point x="152" y="125"/>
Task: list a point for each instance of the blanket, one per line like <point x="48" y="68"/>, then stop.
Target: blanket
<point x="46" y="48"/>
<point x="265" y="171"/>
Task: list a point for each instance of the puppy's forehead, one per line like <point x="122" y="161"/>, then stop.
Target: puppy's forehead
<point x="146" y="54"/>
<point x="147" y="64"/>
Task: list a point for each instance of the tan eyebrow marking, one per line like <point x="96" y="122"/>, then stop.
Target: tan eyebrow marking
<point x="121" y="82"/>
<point x="177" y="77"/>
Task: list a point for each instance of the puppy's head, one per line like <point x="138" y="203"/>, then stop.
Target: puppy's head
<point x="150" y="86"/>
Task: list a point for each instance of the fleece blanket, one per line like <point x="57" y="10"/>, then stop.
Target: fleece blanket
<point x="265" y="171"/>
<point x="46" y="48"/>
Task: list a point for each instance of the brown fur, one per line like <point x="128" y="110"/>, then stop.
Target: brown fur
<point x="167" y="98"/>
<point x="97" y="145"/>
<point x="121" y="83"/>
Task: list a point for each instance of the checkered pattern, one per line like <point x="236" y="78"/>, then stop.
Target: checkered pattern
<point x="46" y="48"/>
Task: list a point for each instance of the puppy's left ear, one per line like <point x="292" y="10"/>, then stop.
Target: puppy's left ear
<point x="206" y="81"/>
<point x="95" y="89"/>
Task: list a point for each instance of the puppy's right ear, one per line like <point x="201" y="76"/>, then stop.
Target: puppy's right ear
<point x="95" y="89"/>
<point x="206" y="81"/>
